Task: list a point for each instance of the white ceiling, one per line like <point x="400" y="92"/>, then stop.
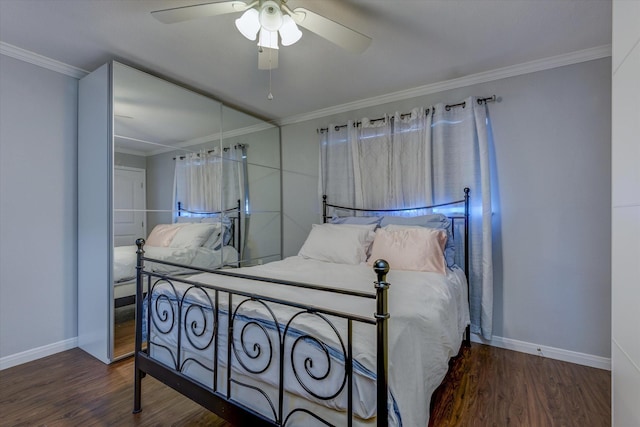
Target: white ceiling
<point x="415" y="43"/>
<point x="152" y="116"/>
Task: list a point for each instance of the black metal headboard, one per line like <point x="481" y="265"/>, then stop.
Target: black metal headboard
<point x="234" y="214"/>
<point x="464" y="217"/>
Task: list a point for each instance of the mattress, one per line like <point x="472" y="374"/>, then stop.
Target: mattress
<point x="429" y="313"/>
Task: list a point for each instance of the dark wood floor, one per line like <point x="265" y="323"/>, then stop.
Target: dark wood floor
<point x="486" y="386"/>
<point x="124" y="331"/>
<point x="489" y="386"/>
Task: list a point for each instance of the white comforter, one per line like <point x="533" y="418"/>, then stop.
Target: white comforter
<point x="428" y="311"/>
<point x="124" y="259"/>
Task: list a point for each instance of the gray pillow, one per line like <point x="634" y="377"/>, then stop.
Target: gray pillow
<point x="356" y="220"/>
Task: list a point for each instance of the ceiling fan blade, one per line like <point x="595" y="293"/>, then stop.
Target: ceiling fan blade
<point x="267" y="58"/>
<point x="336" y="33"/>
<point x="185" y="13"/>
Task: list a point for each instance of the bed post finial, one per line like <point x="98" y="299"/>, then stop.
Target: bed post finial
<point x="381" y="267"/>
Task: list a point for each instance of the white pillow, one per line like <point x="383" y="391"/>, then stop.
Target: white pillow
<point x="339" y="243"/>
<point x="191" y="235"/>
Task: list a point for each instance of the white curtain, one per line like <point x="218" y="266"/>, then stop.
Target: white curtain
<point x="422" y="158"/>
<point x="210" y="180"/>
<point x="336" y="165"/>
<point x="390" y="157"/>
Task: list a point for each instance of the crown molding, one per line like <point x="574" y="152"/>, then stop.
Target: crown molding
<point x="41" y="61"/>
<point x="484" y="77"/>
<point x="129" y="151"/>
<point x="215" y="137"/>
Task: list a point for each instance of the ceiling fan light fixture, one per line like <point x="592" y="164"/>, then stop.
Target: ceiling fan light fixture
<point x="266" y="23"/>
<point x="249" y="24"/>
<point x="268" y="39"/>
<point x="270" y="15"/>
<point x="289" y="31"/>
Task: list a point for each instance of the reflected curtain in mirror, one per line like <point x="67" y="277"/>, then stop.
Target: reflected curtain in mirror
<point x="211" y="180"/>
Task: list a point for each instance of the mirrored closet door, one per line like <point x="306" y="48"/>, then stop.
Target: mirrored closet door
<point x="154" y="158"/>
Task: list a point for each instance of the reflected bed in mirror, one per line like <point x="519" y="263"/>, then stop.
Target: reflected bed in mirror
<point x="207" y="240"/>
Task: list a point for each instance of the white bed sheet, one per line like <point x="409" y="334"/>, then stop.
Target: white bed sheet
<point x="124" y="259"/>
<point x="429" y="313"/>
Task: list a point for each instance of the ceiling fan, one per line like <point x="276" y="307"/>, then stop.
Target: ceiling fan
<point x="270" y="20"/>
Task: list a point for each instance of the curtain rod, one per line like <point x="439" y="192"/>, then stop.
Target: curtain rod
<point x="447" y="107"/>
<point x="211" y="151"/>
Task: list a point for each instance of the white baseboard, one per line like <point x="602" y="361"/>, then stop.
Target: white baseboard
<point x="506" y="343"/>
<point x="37" y="353"/>
<point x="545" y="351"/>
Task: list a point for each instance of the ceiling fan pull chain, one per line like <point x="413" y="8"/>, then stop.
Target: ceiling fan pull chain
<point x="270" y="96"/>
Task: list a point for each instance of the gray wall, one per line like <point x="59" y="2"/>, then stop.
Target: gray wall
<point x="160" y="172"/>
<point x="38" y="204"/>
<point x="552" y="134"/>
<point x="129" y="160"/>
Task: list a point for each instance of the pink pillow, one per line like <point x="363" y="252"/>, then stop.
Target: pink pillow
<point x="162" y="234"/>
<point x="410" y="248"/>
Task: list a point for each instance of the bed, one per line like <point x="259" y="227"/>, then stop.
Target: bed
<point x="206" y="240"/>
<point x="327" y="337"/>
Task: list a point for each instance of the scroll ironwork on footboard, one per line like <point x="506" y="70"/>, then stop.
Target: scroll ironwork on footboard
<point x="257" y="358"/>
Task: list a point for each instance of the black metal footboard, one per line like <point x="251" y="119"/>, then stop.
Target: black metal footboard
<point x="217" y="345"/>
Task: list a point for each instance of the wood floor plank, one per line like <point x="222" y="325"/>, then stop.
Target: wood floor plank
<point x="486" y="386"/>
<point x="72" y="388"/>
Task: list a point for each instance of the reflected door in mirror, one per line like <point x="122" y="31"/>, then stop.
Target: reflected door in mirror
<point x="129" y="195"/>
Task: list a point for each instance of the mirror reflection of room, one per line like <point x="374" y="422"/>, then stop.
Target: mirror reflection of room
<point x="185" y="181"/>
